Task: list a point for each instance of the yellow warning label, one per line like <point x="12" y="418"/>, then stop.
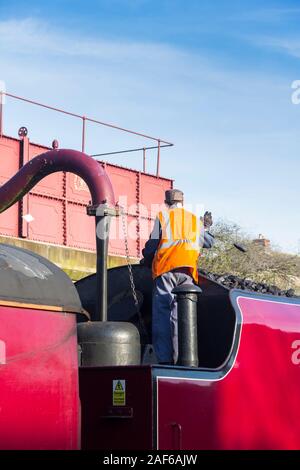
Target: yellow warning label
<point x="119" y="393"/>
<point x="119" y="386"/>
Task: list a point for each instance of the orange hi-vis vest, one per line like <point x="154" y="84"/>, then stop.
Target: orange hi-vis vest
<point x="179" y="244"/>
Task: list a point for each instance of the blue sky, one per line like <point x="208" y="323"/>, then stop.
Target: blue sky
<point x="212" y="77"/>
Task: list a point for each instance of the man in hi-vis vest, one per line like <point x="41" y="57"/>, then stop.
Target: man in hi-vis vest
<point x="172" y="250"/>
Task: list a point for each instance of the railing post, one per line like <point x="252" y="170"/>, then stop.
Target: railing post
<point x="1" y="113"/>
<point x="83" y="134"/>
<point x="144" y="160"/>
<point x="24" y="205"/>
<point x="158" y="158"/>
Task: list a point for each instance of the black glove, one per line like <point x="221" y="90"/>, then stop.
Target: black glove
<point x="207" y="220"/>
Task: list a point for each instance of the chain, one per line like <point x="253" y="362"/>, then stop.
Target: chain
<point x="131" y="279"/>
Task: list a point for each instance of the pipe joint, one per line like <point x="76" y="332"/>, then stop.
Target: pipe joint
<point x="102" y="210"/>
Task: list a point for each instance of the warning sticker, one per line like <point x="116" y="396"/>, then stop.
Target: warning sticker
<point x="119" y="392"/>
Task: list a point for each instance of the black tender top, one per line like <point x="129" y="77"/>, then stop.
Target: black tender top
<point x="29" y="278"/>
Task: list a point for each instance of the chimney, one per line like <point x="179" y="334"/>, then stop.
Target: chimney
<point x="262" y="241"/>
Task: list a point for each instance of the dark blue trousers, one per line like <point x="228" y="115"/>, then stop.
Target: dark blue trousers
<point x="164" y="315"/>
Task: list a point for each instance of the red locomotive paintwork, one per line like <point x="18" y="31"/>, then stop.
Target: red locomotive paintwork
<point x="105" y="426"/>
<point x="254" y="405"/>
<point x="250" y="402"/>
<point x="39" y="402"/>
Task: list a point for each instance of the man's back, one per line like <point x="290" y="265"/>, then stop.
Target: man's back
<point x="179" y="243"/>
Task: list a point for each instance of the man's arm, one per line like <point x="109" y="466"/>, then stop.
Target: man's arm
<point x="152" y="244"/>
<point x="209" y="239"/>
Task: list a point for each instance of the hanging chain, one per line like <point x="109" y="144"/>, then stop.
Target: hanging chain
<point x="131" y="279"/>
<point x="143" y="328"/>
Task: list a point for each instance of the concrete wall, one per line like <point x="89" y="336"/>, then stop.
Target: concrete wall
<point x="76" y="263"/>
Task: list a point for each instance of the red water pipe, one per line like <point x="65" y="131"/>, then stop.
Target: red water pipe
<point x="100" y="188"/>
<point x="53" y="161"/>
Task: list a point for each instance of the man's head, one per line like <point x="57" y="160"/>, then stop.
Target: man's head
<point x="173" y="196"/>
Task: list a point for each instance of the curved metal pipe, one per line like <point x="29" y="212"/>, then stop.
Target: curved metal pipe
<point x="100" y="188"/>
<point x="50" y="162"/>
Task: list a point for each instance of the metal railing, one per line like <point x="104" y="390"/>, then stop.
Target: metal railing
<point x="160" y="143"/>
<point x="143" y="149"/>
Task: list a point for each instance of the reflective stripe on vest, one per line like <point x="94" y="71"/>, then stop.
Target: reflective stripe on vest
<point x="170" y="243"/>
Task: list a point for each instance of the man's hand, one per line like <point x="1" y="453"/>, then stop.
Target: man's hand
<point x="207" y="220"/>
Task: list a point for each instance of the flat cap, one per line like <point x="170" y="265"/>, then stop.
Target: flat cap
<point x="173" y="195"/>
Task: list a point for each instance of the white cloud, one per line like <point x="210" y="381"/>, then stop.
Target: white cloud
<point x="29" y="36"/>
<point x="266" y="15"/>
<point x="291" y="46"/>
<point x="288" y="45"/>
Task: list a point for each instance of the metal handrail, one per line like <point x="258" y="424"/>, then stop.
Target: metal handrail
<point x="139" y="149"/>
<point x="84" y="119"/>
